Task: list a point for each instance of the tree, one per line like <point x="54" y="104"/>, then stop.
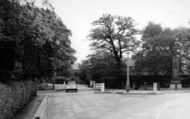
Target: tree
<point x="40" y="36"/>
<point x="182" y="46"/>
<point x="154" y="57"/>
<point x="115" y="35"/>
<point x="158" y="48"/>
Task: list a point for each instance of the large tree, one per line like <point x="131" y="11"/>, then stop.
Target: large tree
<point x="154" y="57"/>
<point x="115" y="35"/>
<point x="40" y="36"/>
<point x="159" y="47"/>
<point x="182" y="47"/>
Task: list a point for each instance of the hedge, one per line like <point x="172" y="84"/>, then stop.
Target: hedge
<point x="14" y="95"/>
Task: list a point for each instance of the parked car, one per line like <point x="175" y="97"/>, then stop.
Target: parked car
<point x="71" y="86"/>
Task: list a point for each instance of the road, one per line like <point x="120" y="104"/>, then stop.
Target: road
<point x="88" y="105"/>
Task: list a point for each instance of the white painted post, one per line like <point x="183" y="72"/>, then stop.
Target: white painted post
<point x="128" y="80"/>
<point x="94" y="83"/>
<point x="102" y="87"/>
<point x="91" y="83"/>
<point x="155" y="87"/>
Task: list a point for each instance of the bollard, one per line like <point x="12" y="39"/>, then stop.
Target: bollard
<point x="155" y="87"/>
<point x="91" y="83"/>
<point x="94" y="84"/>
<point x="102" y="87"/>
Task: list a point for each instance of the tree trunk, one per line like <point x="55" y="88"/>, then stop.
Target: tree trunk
<point x="118" y="60"/>
<point x="119" y="73"/>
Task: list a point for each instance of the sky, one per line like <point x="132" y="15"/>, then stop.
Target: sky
<point x="78" y="15"/>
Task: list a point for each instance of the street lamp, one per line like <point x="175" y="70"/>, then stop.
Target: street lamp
<point x="128" y="80"/>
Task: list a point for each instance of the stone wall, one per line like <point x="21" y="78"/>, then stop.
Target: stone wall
<point x="14" y="95"/>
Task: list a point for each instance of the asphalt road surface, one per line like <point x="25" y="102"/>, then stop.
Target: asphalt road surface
<point x="88" y="105"/>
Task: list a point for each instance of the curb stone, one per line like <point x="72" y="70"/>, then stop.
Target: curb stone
<point x="129" y="93"/>
<point x="41" y="109"/>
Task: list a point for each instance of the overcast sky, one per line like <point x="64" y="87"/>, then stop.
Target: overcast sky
<point x="78" y="15"/>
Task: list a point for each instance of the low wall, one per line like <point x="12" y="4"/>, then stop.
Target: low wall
<point x="14" y="95"/>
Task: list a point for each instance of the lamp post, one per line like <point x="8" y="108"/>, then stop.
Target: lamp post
<point x="128" y="80"/>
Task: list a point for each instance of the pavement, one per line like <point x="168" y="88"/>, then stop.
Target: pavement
<point x="30" y="109"/>
<point x="85" y="104"/>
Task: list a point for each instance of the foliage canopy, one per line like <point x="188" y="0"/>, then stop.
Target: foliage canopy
<point x="40" y="35"/>
<point x="114" y="35"/>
